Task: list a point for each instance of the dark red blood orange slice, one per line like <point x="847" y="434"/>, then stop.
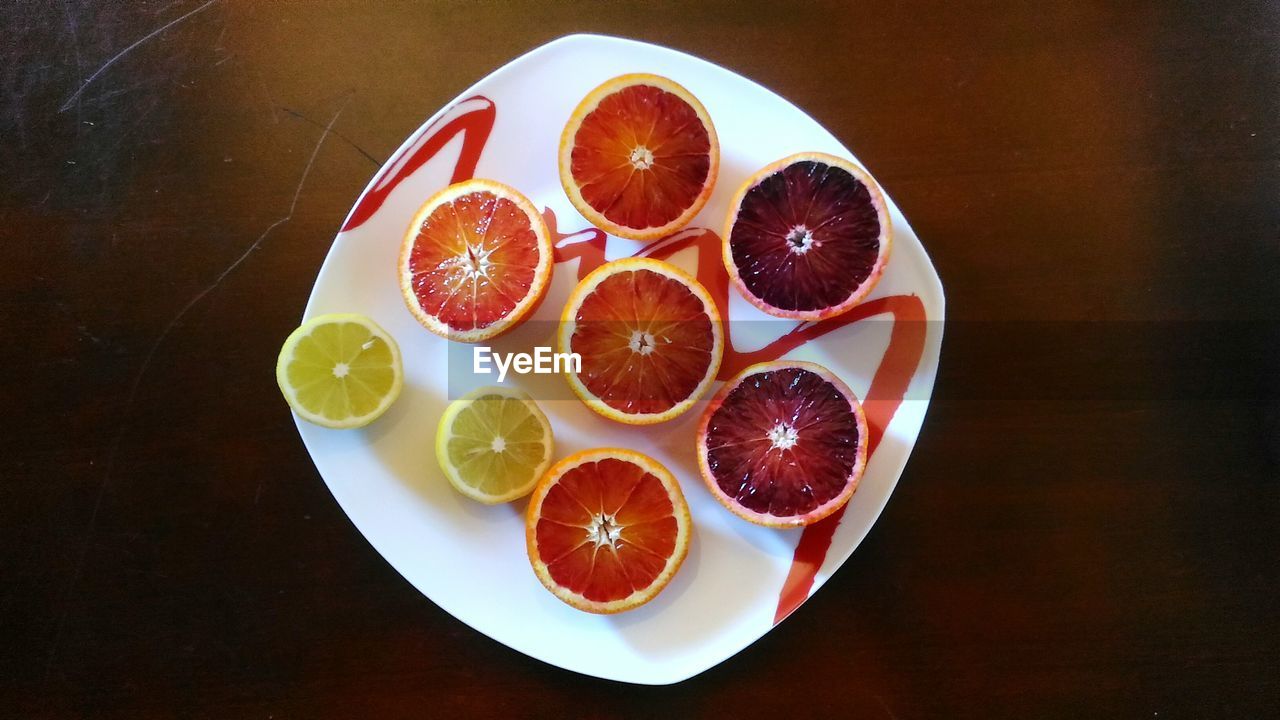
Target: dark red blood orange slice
<point x="639" y="156"/>
<point x="606" y="529"/>
<point x="475" y="260"/>
<point x="783" y="444"/>
<point x="807" y="237"/>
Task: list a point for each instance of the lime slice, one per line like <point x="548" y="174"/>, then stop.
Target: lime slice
<point x="339" y="371"/>
<point x="494" y="444"/>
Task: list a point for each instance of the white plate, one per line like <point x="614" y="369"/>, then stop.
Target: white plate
<point x="470" y="559"/>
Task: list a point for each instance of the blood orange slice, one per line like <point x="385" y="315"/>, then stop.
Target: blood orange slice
<point x="649" y="339"/>
<point x="639" y="156"/>
<point x="807" y="237"/>
<point x="606" y="529"/>
<point x="475" y="260"/>
<point x="783" y="444"/>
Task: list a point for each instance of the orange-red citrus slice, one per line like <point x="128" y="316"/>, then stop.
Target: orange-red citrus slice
<point x="475" y="260"/>
<point x="649" y="339"/>
<point x="607" y="529"/>
<point x="639" y="156"/>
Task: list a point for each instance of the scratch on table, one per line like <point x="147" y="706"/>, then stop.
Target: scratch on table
<point x="135" y="122"/>
<point x="81" y="329"/>
<point x="75" y="39"/>
<point x="885" y="705"/>
<point x="165" y="7"/>
<point x="271" y="103"/>
<point x="340" y="136"/>
<point x="123" y="417"/>
<point x="217" y="44"/>
<point x="65" y="309"/>
<point x="126" y="51"/>
<point x="101" y="99"/>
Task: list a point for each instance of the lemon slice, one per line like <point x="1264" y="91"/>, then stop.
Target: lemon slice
<point x="339" y="371"/>
<point x="494" y="444"/>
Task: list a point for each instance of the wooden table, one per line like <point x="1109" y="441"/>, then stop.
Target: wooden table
<point x="1089" y="525"/>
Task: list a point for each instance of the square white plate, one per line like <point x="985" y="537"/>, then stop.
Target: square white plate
<point x="739" y="580"/>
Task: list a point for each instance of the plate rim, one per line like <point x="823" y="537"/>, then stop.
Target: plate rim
<point x="925" y="373"/>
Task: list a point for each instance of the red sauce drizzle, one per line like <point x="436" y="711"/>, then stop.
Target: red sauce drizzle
<point x="475" y="124"/>
<point x="906" y="341"/>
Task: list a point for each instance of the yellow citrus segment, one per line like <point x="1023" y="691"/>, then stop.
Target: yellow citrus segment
<point x="493" y="444"/>
<point x="639" y="156"/>
<point x="339" y="371"/>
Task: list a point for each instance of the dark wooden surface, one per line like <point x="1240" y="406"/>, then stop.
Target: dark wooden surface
<point x="1089" y="525"/>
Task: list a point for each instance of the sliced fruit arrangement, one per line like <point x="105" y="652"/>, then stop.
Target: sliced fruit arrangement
<point x="607" y="529"/>
<point x="475" y="260"/>
<point x="493" y="444"/>
<point x="807" y="237"/>
<point x="639" y="156"/>
<point x="339" y="371"/>
<point x="783" y="444"/>
<point x="649" y="337"/>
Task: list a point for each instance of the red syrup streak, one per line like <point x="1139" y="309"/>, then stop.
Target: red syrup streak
<point x="474" y="118"/>
<point x="888" y="386"/>
<point x="589" y="249"/>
